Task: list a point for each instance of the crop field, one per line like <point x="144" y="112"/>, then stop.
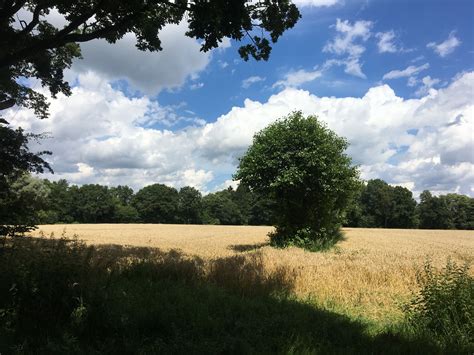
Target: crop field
<point x="368" y="276"/>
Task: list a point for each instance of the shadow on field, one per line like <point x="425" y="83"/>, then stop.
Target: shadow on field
<point x="242" y="248"/>
<point x="61" y="296"/>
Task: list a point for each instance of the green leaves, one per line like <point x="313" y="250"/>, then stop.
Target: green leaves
<point x="444" y="307"/>
<point x="300" y="164"/>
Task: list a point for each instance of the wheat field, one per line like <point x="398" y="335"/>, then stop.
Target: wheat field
<point x="368" y="275"/>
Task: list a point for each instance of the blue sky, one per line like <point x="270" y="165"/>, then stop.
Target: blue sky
<point x="394" y="77"/>
<point x="414" y="25"/>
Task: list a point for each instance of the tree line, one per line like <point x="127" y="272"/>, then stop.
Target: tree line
<point x="380" y="205"/>
<point x="376" y="205"/>
<point x="157" y="203"/>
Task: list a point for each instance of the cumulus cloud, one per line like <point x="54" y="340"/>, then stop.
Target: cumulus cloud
<point x="347" y="42"/>
<point x="298" y="78"/>
<point x="246" y="83"/>
<point x="150" y="73"/>
<point x="446" y="47"/>
<point x="386" y="42"/>
<point x="99" y="136"/>
<point x="407" y="72"/>
<point x="427" y="84"/>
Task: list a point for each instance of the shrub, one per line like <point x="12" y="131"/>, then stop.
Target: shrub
<point x="443" y="310"/>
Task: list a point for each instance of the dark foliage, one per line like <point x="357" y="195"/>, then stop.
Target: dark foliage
<point x="451" y="211"/>
<point x="157" y="203"/>
<point x="379" y="205"/>
<point x="301" y="165"/>
<point x="16" y="212"/>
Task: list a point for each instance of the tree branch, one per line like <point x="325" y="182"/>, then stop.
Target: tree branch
<point x="34" y="21"/>
<point x="7" y="104"/>
<point x="13" y="8"/>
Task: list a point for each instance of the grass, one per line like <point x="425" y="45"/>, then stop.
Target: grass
<point x="367" y="276"/>
<point x="62" y="296"/>
<point x="212" y="289"/>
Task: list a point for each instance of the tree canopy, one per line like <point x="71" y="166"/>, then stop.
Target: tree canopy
<point x="157" y="203"/>
<point x="15" y="161"/>
<point x="31" y="46"/>
<point x="385" y="206"/>
<point x="302" y="166"/>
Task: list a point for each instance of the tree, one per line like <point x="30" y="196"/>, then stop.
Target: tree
<point x="190" y="205"/>
<point x="124" y="212"/>
<point x="255" y="209"/>
<point x="402" y="214"/>
<point x="123" y="194"/>
<point x="434" y="212"/>
<point x="219" y="208"/>
<point x="383" y="206"/>
<point x="15" y="161"/>
<point x="354" y="214"/>
<point x="301" y="165"/>
<point x="58" y="204"/>
<point x="20" y="205"/>
<point x="157" y="203"/>
<point x="93" y="203"/>
<point x="461" y="208"/>
<point x="376" y="200"/>
<point x="32" y="47"/>
<point x="261" y="211"/>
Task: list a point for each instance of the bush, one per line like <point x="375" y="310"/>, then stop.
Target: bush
<point x="307" y="238"/>
<point x="443" y="310"/>
<point x="301" y="165"/>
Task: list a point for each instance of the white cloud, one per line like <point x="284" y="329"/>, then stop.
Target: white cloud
<point x="386" y="42"/>
<point x="446" y="47"/>
<point x="412" y="81"/>
<point x="298" y="78"/>
<point x="223" y="64"/>
<point x="315" y="3"/>
<point x="417" y="59"/>
<point x="196" y="86"/>
<point x="407" y="72"/>
<point x="344" y="42"/>
<point x="246" y="83"/>
<point x="150" y="72"/>
<point x="225" y="185"/>
<point x="427" y="84"/>
<point x="376" y="125"/>
<point x="347" y="43"/>
<point x="99" y="136"/>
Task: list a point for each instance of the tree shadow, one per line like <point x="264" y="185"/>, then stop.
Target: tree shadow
<point x="242" y="248"/>
<point x="61" y="296"/>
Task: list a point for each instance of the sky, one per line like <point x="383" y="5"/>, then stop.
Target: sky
<point x="396" y="78"/>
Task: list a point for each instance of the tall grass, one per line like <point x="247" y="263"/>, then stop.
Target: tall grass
<point x="62" y="296"/>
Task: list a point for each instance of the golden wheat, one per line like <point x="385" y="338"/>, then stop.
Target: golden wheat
<point x="369" y="274"/>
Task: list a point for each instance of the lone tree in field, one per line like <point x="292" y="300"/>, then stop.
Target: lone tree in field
<point x="300" y="164"/>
